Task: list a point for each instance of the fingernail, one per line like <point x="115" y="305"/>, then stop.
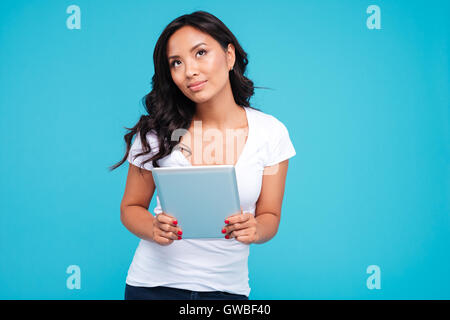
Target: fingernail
<point x="227" y="222"/>
<point x="223" y="230"/>
<point x="227" y="237"/>
<point x="180" y="232"/>
<point x="175" y="222"/>
<point x="179" y="238"/>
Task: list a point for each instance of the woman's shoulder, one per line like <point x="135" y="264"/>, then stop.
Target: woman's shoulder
<point x="151" y="138"/>
<point x="272" y="138"/>
<point x="267" y="122"/>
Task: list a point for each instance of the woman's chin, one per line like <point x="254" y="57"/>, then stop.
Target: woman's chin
<point x="200" y="98"/>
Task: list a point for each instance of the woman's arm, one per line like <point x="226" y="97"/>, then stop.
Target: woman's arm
<point x="261" y="227"/>
<point x="268" y="206"/>
<point x="134" y="212"/>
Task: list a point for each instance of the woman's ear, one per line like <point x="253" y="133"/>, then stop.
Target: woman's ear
<point x="231" y="56"/>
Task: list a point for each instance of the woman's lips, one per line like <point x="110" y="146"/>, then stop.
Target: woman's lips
<point x="199" y="86"/>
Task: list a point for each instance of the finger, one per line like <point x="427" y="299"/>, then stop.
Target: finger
<point x="163" y="240"/>
<point x="165" y="218"/>
<point x="239" y="218"/>
<point x="237" y="233"/>
<point x="246" y="239"/>
<point x="236" y="226"/>
<point x="234" y="215"/>
<point x="169" y="228"/>
<point x="169" y="235"/>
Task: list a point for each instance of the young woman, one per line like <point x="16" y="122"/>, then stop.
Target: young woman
<point x="199" y="86"/>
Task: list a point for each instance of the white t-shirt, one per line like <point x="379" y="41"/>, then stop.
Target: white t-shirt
<point x="211" y="264"/>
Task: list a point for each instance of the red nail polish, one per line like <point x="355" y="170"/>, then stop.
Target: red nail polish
<point x="175" y="222"/>
<point x="227" y="222"/>
<point x="179" y="238"/>
<point x="227" y="237"/>
<point x="180" y="232"/>
<point x="223" y="230"/>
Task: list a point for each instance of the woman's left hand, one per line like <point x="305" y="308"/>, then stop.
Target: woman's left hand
<point x="242" y="227"/>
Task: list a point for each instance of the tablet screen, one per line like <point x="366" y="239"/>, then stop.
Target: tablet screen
<point x="199" y="197"/>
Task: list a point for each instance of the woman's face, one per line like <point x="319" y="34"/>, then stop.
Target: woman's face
<point x="195" y="56"/>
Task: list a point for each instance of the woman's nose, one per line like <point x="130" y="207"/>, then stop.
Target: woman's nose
<point x="191" y="69"/>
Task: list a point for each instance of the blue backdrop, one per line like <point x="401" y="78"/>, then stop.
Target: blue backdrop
<point x="363" y="91"/>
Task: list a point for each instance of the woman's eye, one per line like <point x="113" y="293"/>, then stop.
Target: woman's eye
<point x="202" y="50"/>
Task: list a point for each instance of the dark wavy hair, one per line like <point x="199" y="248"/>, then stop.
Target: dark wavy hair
<point x="168" y="108"/>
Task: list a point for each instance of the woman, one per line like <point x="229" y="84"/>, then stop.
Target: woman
<point x="199" y="82"/>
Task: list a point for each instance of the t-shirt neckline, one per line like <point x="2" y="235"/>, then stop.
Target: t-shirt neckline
<point x="250" y="125"/>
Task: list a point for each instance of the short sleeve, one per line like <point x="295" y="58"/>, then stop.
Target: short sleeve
<point x="136" y="148"/>
<point x="280" y="146"/>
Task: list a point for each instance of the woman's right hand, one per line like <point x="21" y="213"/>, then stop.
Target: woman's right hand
<point x="165" y="229"/>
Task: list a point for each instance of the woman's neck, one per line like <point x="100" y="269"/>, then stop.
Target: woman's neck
<point x="221" y="111"/>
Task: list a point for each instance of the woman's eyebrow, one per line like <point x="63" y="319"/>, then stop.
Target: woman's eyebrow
<point x="192" y="49"/>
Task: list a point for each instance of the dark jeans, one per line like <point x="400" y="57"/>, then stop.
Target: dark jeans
<point x="167" y="293"/>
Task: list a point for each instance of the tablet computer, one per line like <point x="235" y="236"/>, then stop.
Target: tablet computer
<point x="199" y="197"/>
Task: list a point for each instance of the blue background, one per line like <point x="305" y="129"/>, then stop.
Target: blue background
<point x="367" y="111"/>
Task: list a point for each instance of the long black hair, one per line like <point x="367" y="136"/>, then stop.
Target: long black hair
<point x="168" y="108"/>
